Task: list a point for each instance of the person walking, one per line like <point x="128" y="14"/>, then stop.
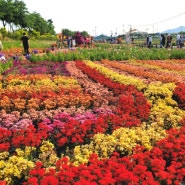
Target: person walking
<point x="25" y="43"/>
<point x="69" y="42"/>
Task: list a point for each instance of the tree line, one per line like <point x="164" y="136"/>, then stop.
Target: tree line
<point x="14" y="15"/>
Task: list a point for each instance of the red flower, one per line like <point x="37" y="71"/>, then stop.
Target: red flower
<point x="2" y="182"/>
<point x="32" y="181"/>
<point x="4" y="147"/>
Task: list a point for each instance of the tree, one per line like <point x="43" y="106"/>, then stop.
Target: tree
<point x="85" y="34"/>
<point x="41" y="25"/>
<point x="50" y="27"/>
<point x="12" y="12"/>
<point x="15" y="14"/>
<point x="67" y="32"/>
<point x="19" y="13"/>
<point x="7" y="11"/>
<point x="34" y="21"/>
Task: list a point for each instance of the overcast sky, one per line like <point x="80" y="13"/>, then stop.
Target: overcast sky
<point x="106" y="17"/>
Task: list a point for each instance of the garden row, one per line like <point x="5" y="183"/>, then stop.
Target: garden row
<point x="92" y="121"/>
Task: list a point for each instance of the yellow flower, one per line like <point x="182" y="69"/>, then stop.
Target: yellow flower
<point x="46" y="146"/>
<point x="20" y="153"/>
<point x="2" y="165"/>
<point x="28" y="150"/>
<point x="3" y="155"/>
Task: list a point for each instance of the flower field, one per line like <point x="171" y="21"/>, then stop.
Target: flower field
<point x="104" y="122"/>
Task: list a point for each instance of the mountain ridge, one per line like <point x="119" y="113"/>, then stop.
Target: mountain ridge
<point x="175" y="30"/>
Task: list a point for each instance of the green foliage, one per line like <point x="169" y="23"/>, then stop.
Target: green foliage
<point x="113" y="53"/>
<point x="14" y="14"/>
<point x="34" y="34"/>
<point x="178" y="54"/>
<point x="34" y="44"/>
<point x="84" y="33"/>
<point x="68" y="32"/>
<point x="3" y="32"/>
<point x="48" y="37"/>
<point x="4" y="65"/>
<point x="16" y="34"/>
<point x="10" y="44"/>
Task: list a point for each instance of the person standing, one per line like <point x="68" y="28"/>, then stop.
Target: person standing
<point x="178" y="40"/>
<point x="68" y="41"/>
<point x="149" y="41"/>
<point x="25" y="42"/>
<point x="59" y="42"/>
<point x="73" y="42"/>
<point x="169" y="41"/>
<point x="181" y="41"/>
<point x="92" y="41"/>
<point x="162" y="41"/>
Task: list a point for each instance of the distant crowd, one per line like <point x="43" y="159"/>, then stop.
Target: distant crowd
<point x="74" y="41"/>
<point x="166" y="42"/>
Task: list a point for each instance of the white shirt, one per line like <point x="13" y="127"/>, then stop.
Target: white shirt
<point x="150" y="39"/>
<point x="178" y="37"/>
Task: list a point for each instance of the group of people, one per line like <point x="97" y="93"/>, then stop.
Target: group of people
<point x="166" y="42"/>
<point x="73" y="41"/>
<point x="179" y="41"/>
<point x="69" y="41"/>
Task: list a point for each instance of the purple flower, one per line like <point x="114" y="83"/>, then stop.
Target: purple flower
<point x="27" y="56"/>
<point x="1" y="55"/>
<point x="35" y="51"/>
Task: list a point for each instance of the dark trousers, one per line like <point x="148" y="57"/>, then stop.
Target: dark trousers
<point x="26" y="49"/>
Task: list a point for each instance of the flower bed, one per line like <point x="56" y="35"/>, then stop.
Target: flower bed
<point x="83" y="122"/>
